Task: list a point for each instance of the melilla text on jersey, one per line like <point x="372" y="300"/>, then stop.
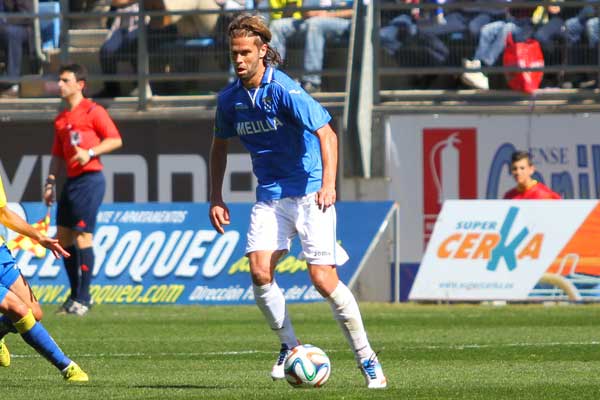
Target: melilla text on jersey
<point x="261" y="126"/>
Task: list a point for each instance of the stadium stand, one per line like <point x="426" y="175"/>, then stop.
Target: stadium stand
<point x="413" y="50"/>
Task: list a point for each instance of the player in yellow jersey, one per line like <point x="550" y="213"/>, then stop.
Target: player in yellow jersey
<point x="20" y="309"/>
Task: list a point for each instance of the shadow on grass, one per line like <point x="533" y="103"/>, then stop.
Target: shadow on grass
<point x="179" y="387"/>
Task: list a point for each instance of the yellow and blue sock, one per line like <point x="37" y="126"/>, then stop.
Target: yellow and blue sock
<point x="37" y="336"/>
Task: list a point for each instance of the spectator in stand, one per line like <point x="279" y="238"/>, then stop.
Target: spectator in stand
<point x="592" y="30"/>
<point x="527" y="188"/>
<point x="89" y="6"/>
<point x="430" y="30"/>
<point x="197" y="25"/>
<point x="478" y="17"/>
<point x="120" y="44"/>
<point x="317" y="25"/>
<point x="261" y="8"/>
<point x="571" y="31"/>
<point x="320" y="26"/>
<point x="285" y="23"/>
<point x="400" y="29"/>
<point x="443" y="24"/>
<point x="15" y="33"/>
<point x="551" y="30"/>
<point x="492" y="41"/>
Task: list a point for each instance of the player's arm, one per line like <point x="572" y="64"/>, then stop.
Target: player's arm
<point x="108" y="145"/>
<point x="56" y="164"/>
<point x="309" y="113"/>
<point x="326" y="196"/>
<point x="218" y="213"/>
<point x="13" y="222"/>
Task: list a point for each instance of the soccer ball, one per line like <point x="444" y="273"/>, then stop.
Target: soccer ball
<point x="307" y="366"/>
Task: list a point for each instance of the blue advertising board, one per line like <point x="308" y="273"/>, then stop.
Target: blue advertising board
<point x="168" y="253"/>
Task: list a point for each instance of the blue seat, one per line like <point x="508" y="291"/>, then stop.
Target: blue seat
<point x="50" y="27"/>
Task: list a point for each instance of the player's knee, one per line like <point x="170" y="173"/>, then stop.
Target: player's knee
<point x="261" y="277"/>
<point x="320" y="284"/>
<point x="19" y="311"/>
<point x="261" y="267"/>
<point x="324" y="280"/>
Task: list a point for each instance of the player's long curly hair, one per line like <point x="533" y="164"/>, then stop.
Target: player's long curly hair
<point x="247" y="25"/>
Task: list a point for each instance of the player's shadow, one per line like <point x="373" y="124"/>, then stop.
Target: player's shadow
<point x="178" y="387"/>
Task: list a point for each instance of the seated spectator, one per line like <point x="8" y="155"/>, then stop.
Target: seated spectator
<point x="92" y="6"/>
<point x="480" y="16"/>
<point x="576" y="25"/>
<point x="164" y="30"/>
<point x="492" y="41"/>
<point x="571" y="31"/>
<point x="320" y="26"/>
<point x="285" y="23"/>
<point x="550" y="31"/>
<point x="551" y="28"/>
<point x="430" y="30"/>
<point x="592" y="29"/>
<point x="399" y="30"/>
<point x="120" y="44"/>
<point x="193" y="25"/>
<point x="14" y="35"/>
<point x="317" y="25"/>
<point x="527" y="188"/>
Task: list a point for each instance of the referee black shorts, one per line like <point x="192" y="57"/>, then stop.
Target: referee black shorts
<point x="80" y="200"/>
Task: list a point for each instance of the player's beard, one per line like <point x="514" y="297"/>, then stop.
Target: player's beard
<point x="251" y="71"/>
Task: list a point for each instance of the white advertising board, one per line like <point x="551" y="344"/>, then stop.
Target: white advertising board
<point x="499" y="249"/>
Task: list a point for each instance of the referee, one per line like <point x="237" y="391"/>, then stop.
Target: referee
<point x="82" y="132"/>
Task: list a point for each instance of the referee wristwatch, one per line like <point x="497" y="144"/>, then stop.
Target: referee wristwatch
<point x="91" y="153"/>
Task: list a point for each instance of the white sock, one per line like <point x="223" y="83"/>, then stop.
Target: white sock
<point x="347" y="314"/>
<point x="269" y="298"/>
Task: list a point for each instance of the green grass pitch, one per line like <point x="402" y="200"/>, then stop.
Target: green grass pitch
<point x="428" y="352"/>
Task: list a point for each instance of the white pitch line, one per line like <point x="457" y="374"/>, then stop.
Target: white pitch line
<point x="245" y="352"/>
<point x="485" y="346"/>
<point x="133" y="355"/>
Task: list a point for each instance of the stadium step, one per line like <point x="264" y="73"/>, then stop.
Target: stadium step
<point x="87" y="38"/>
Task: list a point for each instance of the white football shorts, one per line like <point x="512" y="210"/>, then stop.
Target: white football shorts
<point x="273" y="225"/>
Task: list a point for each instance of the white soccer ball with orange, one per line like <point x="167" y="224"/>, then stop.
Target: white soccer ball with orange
<point x="307" y="366"/>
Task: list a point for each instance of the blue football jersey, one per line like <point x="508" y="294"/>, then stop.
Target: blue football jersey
<point x="276" y="123"/>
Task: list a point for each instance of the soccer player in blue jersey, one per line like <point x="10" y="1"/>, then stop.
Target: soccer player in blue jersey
<point x="294" y="157"/>
<point x="20" y="309"/>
